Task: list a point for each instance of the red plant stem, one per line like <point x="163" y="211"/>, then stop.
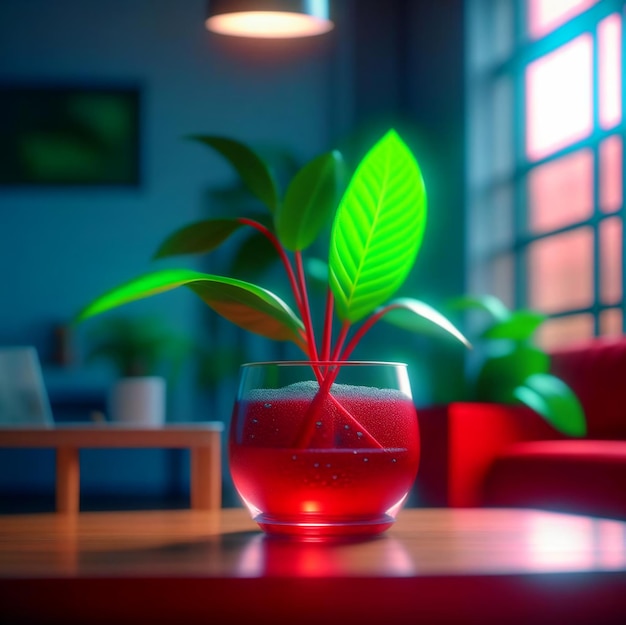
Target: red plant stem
<point x="306" y="309"/>
<point x="360" y="333"/>
<point x="328" y="325"/>
<point x="283" y="256"/>
<point x="302" y="302"/>
<point x="305" y="436"/>
<point x="343" y="333"/>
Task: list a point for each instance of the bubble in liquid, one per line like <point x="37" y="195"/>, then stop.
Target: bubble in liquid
<point x="267" y="405"/>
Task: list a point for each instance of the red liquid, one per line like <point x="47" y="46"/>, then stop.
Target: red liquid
<point x="342" y="476"/>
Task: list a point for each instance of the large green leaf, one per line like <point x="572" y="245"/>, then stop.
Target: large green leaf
<point x="378" y="229"/>
<point x="520" y="326"/>
<point x="251" y="307"/>
<point x="198" y="238"/>
<point x="555" y="402"/>
<point x="310" y="202"/>
<point x="416" y="316"/>
<point x="251" y="168"/>
<point x="500" y="375"/>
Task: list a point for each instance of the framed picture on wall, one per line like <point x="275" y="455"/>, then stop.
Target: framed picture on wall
<point x="69" y="135"/>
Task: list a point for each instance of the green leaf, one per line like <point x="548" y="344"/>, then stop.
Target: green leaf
<point x="501" y="375"/>
<point x="520" y="326"/>
<point x="251" y="168"/>
<point x="555" y="402"/>
<point x="378" y="229"/>
<point x="487" y="303"/>
<point x="310" y="202"/>
<point x="416" y="316"/>
<point x="251" y="307"/>
<point x="253" y="257"/>
<point x="198" y="238"/>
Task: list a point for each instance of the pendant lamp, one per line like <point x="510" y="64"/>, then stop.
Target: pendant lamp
<point x="269" y="19"/>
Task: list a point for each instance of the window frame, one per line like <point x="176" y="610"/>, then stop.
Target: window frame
<point x="482" y="76"/>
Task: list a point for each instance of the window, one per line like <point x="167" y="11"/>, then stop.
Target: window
<point x="545" y="161"/>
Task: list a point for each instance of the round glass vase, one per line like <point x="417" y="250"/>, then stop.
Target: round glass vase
<point x="324" y="449"/>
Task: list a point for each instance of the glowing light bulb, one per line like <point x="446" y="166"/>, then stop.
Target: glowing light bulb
<point x="268" y="24"/>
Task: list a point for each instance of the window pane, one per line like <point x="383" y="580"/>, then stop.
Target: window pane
<point x="559" y="98"/>
<point x="494" y="277"/>
<point x="564" y="331"/>
<point x="560" y="271"/>
<point x="503" y="30"/>
<point x="546" y="15"/>
<point x="502" y="275"/>
<point x="611" y="260"/>
<point x="611" y="186"/>
<point x="610" y="70"/>
<point x="611" y="322"/>
<point x="561" y="192"/>
<point x="492" y="227"/>
<point x="502" y="125"/>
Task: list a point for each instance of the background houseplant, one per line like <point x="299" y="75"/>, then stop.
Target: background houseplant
<point x="145" y="356"/>
<point x="512" y="368"/>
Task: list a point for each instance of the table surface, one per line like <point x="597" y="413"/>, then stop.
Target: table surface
<point x="442" y="565"/>
<point x="111" y="435"/>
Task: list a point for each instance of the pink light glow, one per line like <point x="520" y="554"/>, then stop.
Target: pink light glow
<point x="561" y="271"/>
<point x="561" y="192"/>
<point x="611" y="260"/>
<point x="610" y="70"/>
<point x="559" y="98"/>
<point x="545" y="15"/>
<point x="611" y="185"/>
<point x="575" y="543"/>
<point x="562" y="331"/>
<point x="611" y="322"/>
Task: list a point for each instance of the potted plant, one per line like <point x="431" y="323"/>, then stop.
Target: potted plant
<point x="510" y="396"/>
<point x="515" y="370"/>
<point x="325" y="445"/>
<point x="138" y="348"/>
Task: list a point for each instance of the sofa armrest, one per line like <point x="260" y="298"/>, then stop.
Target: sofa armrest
<point x="459" y="441"/>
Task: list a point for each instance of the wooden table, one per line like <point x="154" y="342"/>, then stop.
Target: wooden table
<point x="433" y="566"/>
<point x="202" y="439"/>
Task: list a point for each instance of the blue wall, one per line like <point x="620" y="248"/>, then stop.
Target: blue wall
<point x="60" y="247"/>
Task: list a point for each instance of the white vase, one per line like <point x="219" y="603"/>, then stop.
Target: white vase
<point x="139" y="401"/>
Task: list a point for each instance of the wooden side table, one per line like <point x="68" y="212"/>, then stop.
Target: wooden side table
<point x="202" y="439"/>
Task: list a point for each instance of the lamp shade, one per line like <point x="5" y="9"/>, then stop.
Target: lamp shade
<point x="269" y="19"/>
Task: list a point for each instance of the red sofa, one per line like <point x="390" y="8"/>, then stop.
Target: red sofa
<point x="477" y="454"/>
